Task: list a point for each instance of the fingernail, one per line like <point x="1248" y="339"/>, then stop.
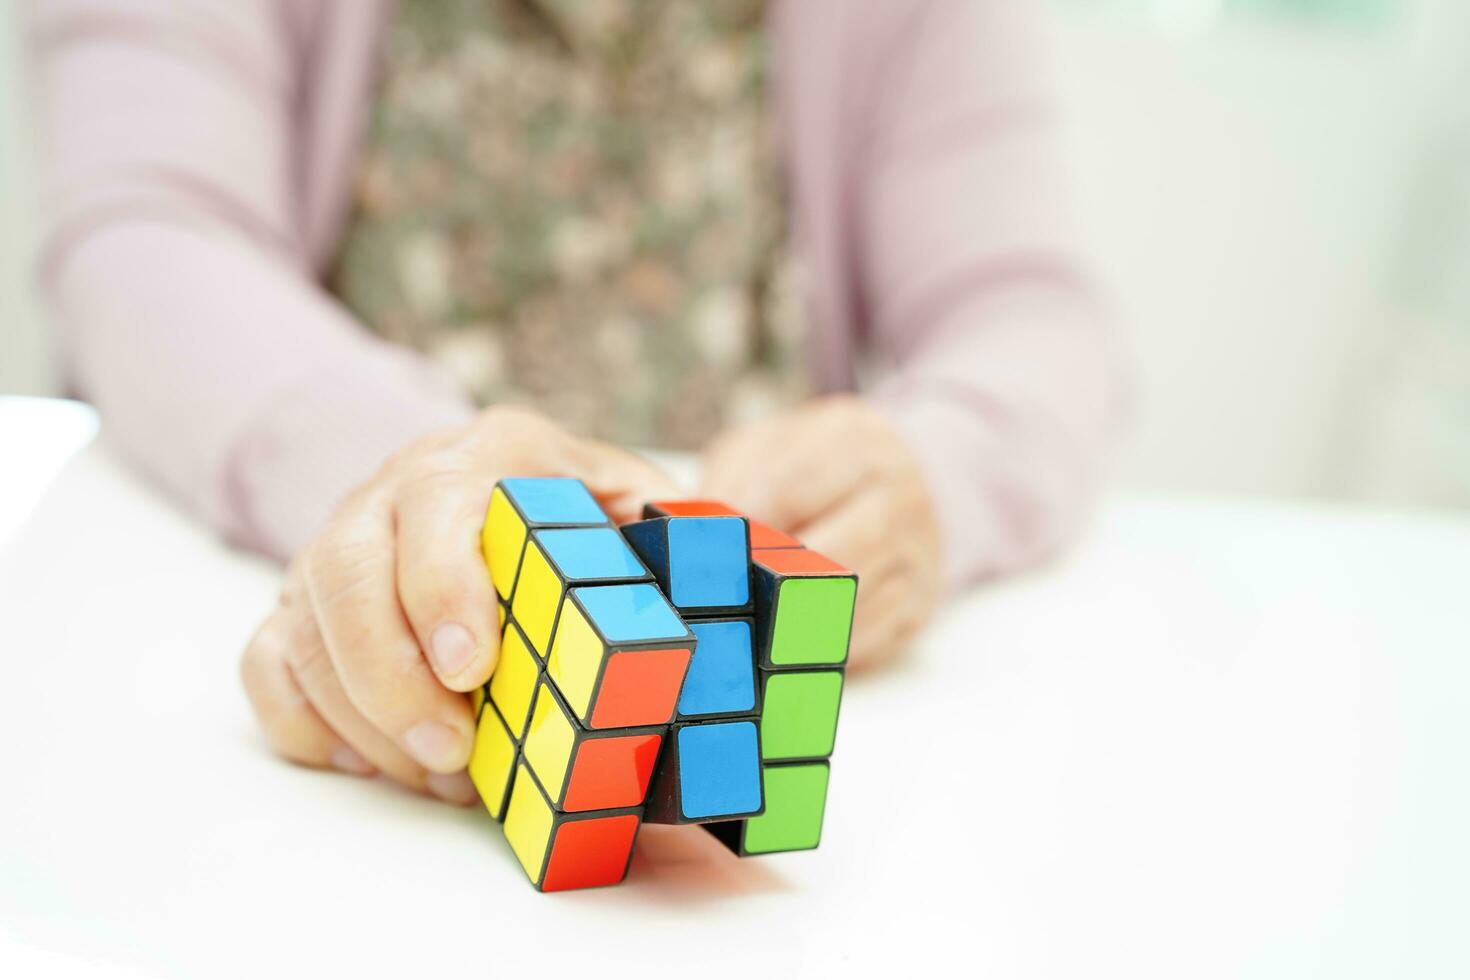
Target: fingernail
<point x="452" y="648"/>
<point x="346" y="759"/>
<point x="436" y="746"/>
<point x="454" y="787"/>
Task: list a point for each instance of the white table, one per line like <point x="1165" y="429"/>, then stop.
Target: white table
<point x="1222" y="739"/>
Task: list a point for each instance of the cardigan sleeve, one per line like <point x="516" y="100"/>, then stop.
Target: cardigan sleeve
<point x="177" y="274"/>
<point x="1001" y="366"/>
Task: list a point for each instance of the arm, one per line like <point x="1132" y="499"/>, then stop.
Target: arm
<point x="1003" y="372"/>
<point x="175" y="262"/>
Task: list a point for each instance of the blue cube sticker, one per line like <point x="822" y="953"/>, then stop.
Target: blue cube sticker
<point x="625" y="613"/>
<point x="719" y="769"/>
<point x="721" y="678"/>
<point x="554" y="500"/>
<point x="709" y="562"/>
<point x="591" y="553"/>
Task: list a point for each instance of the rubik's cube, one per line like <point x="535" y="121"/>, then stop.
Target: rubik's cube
<point x="685" y="669"/>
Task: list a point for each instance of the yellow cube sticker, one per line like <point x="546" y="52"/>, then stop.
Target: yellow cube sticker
<point x="550" y="741"/>
<point x="528" y="824"/>
<point x="576" y="658"/>
<point x="491" y="761"/>
<point x="514" y="682"/>
<point x="502" y="540"/>
<point x="538" y="594"/>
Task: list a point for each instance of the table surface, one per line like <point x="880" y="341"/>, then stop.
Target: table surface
<point x="1220" y="739"/>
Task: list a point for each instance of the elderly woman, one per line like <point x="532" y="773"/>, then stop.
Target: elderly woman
<point x="816" y="241"/>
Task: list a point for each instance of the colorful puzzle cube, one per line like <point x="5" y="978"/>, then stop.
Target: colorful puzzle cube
<point x="796" y="797"/>
<point x="493" y="759"/>
<point x="516" y="507"/>
<point x="514" y="683"/>
<point x="721" y="678"/>
<point x="712" y="772"/>
<point x="799" y="714"/>
<point x="701" y="563"/>
<point x="588" y="770"/>
<point x="555" y="560"/>
<point x="804" y="602"/>
<point x="666" y="673"/>
<point x="619" y="655"/>
<point x="761" y="535"/>
<point x="561" y="850"/>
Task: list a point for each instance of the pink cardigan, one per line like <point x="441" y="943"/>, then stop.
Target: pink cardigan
<point x="199" y="158"/>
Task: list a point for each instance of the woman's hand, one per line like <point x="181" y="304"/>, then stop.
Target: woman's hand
<point x="389" y="614"/>
<point x="836" y="474"/>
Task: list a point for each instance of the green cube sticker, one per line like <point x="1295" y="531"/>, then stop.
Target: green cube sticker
<point x="813" y="620"/>
<point x="799" y="714"/>
<point x="796" y="795"/>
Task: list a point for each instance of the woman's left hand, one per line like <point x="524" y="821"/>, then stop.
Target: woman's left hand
<point x="837" y="474"/>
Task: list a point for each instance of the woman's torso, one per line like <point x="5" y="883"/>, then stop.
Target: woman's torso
<point x="576" y="205"/>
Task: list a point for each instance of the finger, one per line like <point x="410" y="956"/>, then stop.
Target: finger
<point x="740" y="465"/>
<point x="858" y="531"/>
<point x="314" y="673"/>
<point x="350" y="576"/>
<point x="884" y="624"/>
<point x="861" y="534"/>
<point x="510" y="441"/>
<point x="443" y="586"/>
<point x="292" y="726"/>
<point x="890" y="594"/>
<point x="621" y="481"/>
<point x="790" y="476"/>
<point x="812" y="485"/>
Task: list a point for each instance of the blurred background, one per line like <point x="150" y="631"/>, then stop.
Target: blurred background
<point x="1277" y="195"/>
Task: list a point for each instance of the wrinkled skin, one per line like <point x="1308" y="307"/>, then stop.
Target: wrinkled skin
<point x="388" y="617"/>
<point x="840" y="477"/>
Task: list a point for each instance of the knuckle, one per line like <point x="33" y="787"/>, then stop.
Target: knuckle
<point x="412" y="455"/>
<point x="291" y="739"/>
<point x="338" y="568"/>
<point x="252" y="662"/>
<point x="282" y="711"/>
<point x="286" y="726"/>
<point x="357" y="500"/>
<point x="440" y="475"/>
<point x="307" y="654"/>
<point x="293" y="589"/>
<point x="397" y="461"/>
<point x="317" y="564"/>
<point x="260" y="654"/>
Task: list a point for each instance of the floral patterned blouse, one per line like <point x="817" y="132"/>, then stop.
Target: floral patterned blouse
<point x="576" y="205"/>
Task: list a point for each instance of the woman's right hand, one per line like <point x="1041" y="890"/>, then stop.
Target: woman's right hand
<point x="388" y="616"/>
